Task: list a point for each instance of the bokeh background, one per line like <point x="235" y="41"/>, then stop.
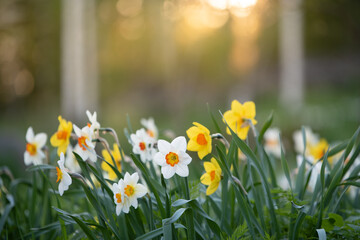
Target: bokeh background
<point x="170" y="59"/>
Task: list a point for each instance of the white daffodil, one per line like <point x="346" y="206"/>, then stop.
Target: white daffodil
<point x="127" y="191"/>
<point x="150" y="126"/>
<point x="93" y="120"/>
<point x="34" y="154"/>
<point x="85" y="147"/>
<point x="272" y="142"/>
<point x="311" y="139"/>
<point x="62" y="175"/>
<point x="143" y="145"/>
<point x="70" y="161"/>
<point x="172" y="157"/>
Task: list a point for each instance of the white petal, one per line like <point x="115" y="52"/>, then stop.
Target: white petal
<point x="140" y="190"/>
<point x="61" y="161"/>
<point x="66" y="179"/>
<point x="92" y="156"/>
<point x="61" y="188"/>
<point x="134" y="202"/>
<point x="134" y="178"/>
<point x="159" y="159"/>
<point x="27" y="159"/>
<point x="29" y="135"/>
<point x="40" y="139"/>
<point x="77" y="130"/>
<point x="126" y="178"/>
<point x="118" y="209"/>
<point x="89" y="143"/>
<point x="126" y="206"/>
<point x="184" y="158"/>
<point x="182" y="170"/>
<point x="115" y="188"/>
<point x="167" y="171"/>
<point x="164" y="146"/>
<point x="179" y="143"/>
<point x="88" y="115"/>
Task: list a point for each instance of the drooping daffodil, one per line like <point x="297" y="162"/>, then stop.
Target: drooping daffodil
<point x="62" y="175"/>
<point x="239" y="118"/>
<point x="212" y="176"/>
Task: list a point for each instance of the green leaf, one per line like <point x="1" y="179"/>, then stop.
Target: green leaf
<point x="89" y="233"/>
<point x="321" y="233"/>
<point x="285" y="165"/>
<point x="40" y="167"/>
<point x="7" y="211"/>
<point x="217" y="128"/>
<point x="267" y="124"/>
<point x="339" y="221"/>
<point x="254" y="161"/>
<point x="157" y="232"/>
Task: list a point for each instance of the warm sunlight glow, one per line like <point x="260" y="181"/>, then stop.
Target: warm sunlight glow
<point x="218" y="4"/>
<point x="242" y="3"/>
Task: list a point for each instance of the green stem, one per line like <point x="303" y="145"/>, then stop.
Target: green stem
<point x="189" y="215"/>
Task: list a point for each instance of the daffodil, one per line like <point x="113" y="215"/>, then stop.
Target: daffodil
<point x="318" y="150"/>
<point x="85" y="147"/>
<point x="172" y="157"/>
<point x="93" y="120"/>
<point x="117" y="157"/>
<point x="143" y="145"/>
<point x="311" y="139"/>
<point x="61" y="138"/>
<point x="34" y="154"/>
<point x="62" y="175"/>
<point x="239" y="117"/>
<point x="127" y="191"/>
<point x="94" y="125"/>
<point x="212" y="176"/>
<point x="150" y="126"/>
<point x="272" y="142"/>
<point x="200" y="140"/>
<point x="70" y="160"/>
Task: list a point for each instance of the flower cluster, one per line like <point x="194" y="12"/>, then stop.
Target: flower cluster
<point x="127" y="191"/>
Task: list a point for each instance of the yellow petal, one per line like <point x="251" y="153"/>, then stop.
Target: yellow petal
<point x="209" y="167"/>
<point x="212" y="188"/>
<point x="116" y="152"/>
<point x="205" y="179"/>
<point x="203" y="152"/>
<point x="62" y="148"/>
<point x="202" y="128"/>
<point x="54" y="141"/>
<point x="243" y="132"/>
<point x="106" y="156"/>
<point x="193" y="146"/>
<point x="216" y="164"/>
<point x="236" y="106"/>
<point x="249" y="110"/>
<point x="192" y="132"/>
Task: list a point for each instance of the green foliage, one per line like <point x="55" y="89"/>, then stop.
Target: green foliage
<point x="248" y="204"/>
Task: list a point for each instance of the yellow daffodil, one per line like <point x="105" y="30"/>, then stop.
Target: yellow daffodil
<point x="117" y="157"/>
<point x="318" y="150"/>
<point x="239" y="116"/>
<point x="61" y="138"/>
<point x="212" y="176"/>
<point x="200" y="140"/>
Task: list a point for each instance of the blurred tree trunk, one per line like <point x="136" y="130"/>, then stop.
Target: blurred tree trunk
<point x="291" y="55"/>
<point x="79" y="59"/>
